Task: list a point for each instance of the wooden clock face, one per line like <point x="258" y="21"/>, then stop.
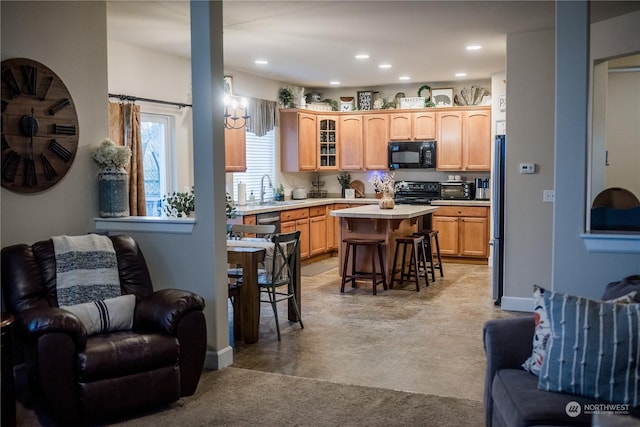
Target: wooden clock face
<point x="39" y="127"/>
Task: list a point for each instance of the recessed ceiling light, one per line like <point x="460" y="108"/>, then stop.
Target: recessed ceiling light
<point x="474" y="47"/>
<point x="261" y="61"/>
<point x="404" y="78"/>
<point x="461" y="74"/>
<point x="384" y="66"/>
<point x="335" y="82"/>
<point x="362" y="56"/>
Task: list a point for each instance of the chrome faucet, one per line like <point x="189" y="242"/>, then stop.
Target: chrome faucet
<point x="262" y="187"/>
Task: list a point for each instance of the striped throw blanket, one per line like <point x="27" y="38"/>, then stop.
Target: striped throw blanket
<point x="86" y="269"/>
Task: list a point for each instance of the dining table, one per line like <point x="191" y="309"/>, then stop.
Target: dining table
<point x="251" y="254"/>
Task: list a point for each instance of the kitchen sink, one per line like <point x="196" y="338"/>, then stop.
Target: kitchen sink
<point x="282" y="203"/>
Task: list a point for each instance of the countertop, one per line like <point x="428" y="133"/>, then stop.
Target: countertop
<point x="374" y="212"/>
<point x="306" y="203"/>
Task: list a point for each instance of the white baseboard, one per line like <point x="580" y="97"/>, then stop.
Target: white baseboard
<point x="517" y="304"/>
<point x="218" y="360"/>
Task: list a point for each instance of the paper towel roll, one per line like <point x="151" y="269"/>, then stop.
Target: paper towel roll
<point x="242" y="194"/>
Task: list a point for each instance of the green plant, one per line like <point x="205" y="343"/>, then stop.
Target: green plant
<point x="178" y="204"/>
<point x="230" y="208"/>
<point x="344" y="179"/>
<point x="286" y="96"/>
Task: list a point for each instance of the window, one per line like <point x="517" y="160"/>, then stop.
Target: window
<point x="156" y="131"/>
<point x="261" y="160"/>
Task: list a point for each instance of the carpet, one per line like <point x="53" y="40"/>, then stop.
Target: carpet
<point x="242" y="397"/>
<point x="319" y="267"/>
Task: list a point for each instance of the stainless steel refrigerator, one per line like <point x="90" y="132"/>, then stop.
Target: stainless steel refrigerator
<point x="497" y="238"/>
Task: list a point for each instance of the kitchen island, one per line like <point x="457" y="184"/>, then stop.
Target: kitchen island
<point x="371" y="222"/>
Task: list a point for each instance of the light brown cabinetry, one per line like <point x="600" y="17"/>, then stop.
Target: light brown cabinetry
<point x="235" y="150"/>
<point x="463" y="230"/>
<point x="412" y="126"/>
<point x="331" y="228"/>
<point x="297" y="220"/>
<point x="298" y="141"/>
<point x="328" y="136"/>
<point x="375" y="133"/>
<point x="317" y="230"/>
<point x="351" y="142"/>
<point x="464" y="140"/>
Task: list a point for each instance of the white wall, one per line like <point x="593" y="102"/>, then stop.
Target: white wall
<point x="530" y="138"/>
<point x="146" y="73"/>
<point x="69" y="38"/>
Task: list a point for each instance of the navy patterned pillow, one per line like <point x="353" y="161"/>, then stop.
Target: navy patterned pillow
<point x="593" y="350"/>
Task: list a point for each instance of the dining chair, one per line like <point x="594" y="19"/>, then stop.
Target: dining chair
<point x="281" y="275"/>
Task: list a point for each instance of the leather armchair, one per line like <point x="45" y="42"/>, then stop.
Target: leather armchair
<point x="87" y="378"/>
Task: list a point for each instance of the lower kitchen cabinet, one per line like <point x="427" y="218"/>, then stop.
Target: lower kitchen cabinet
<point x="297" y="220"/>
<point x="463" y="231"/>
<point x="317" y="230"/>
<point x="331" y="228"/>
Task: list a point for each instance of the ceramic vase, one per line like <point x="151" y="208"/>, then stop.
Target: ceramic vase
<point x="113" y="193"/>
<point x="387" y="202"/>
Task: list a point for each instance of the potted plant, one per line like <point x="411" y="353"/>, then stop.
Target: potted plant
<point x="286" y="96"/>
<point x="345" y="180"/>
<point x="113" y="180"/>
<point x="179" y="204"/>
<point x="230" y="208"/>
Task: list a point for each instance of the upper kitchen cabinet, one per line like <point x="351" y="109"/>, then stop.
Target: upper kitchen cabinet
<point x="235" y="150"/>
<point x="327" y="142"/>
<point x="298" y="141"/>
<point x="416" y="126"/>
<point x="351" y="142"/>
<point x="464" y="139"/>
<point x="375" y="141"/>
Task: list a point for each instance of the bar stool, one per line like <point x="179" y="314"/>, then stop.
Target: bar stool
<point x="415" y="244"/>
<point x="376" y="277"/>
<point x="431" y="238"/>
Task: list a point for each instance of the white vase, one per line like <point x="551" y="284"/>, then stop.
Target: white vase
<point x="113" y="193"/>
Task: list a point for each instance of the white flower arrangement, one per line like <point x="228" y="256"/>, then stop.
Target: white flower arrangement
<point x="111" y="156"/>
<point x="386" y="184"/>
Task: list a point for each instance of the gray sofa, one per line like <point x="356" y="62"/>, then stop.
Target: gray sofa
<point x="511" y="396"/>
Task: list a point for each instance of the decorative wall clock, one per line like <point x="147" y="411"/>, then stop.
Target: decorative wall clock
<point x="39" y="126"/>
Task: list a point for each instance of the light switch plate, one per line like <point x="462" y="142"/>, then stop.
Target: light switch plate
<point x="548" y="196"/>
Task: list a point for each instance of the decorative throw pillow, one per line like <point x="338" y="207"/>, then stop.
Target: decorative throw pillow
<point x="113" y="314"/>
<point x="593" y="350"/>
<point x="541" y="333"/>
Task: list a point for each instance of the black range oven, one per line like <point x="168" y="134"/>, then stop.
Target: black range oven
<point x="416" y="192"/>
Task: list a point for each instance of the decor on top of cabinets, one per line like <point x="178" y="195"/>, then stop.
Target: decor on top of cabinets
<point x="113" y="179"/>
<point x="365" y="99"/>
<point x="286" y="97"/>
<point x="428" y="101"/>
<point x="473" y="95"/>
<point x="413" y="102"/>
<point x="442" y="97"/>
<point x="347" y="103"/>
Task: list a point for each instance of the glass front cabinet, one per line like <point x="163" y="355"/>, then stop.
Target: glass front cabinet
<point x="328" y="143"/>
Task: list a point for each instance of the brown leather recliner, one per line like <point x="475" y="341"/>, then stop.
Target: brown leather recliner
<point x="87" y="378"/>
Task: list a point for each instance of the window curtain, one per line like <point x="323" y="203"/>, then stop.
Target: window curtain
<point x="264" y="116"/>
<point x="124" y="129"/>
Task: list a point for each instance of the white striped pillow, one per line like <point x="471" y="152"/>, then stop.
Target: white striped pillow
<point x="112" y="314"/>
<point x="594" y="349"/>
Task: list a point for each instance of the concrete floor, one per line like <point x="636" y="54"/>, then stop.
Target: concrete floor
<point x="426" y="342"/>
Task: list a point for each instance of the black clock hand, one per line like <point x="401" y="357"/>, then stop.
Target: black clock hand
<point x="31" y="132"/>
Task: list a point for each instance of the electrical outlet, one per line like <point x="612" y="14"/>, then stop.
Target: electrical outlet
<point x="548" y="196"/>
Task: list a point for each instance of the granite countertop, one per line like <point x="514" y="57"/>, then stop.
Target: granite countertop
<point x="374" y="211"/>
<point x="307" y="203"/>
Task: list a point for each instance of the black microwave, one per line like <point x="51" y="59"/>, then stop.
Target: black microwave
<point x="412" y="154"/>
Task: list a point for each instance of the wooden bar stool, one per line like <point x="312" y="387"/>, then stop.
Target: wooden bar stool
<point x="410" y="271"/>
<point x="431" y="238"/>
<point x="376" y="277"/>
